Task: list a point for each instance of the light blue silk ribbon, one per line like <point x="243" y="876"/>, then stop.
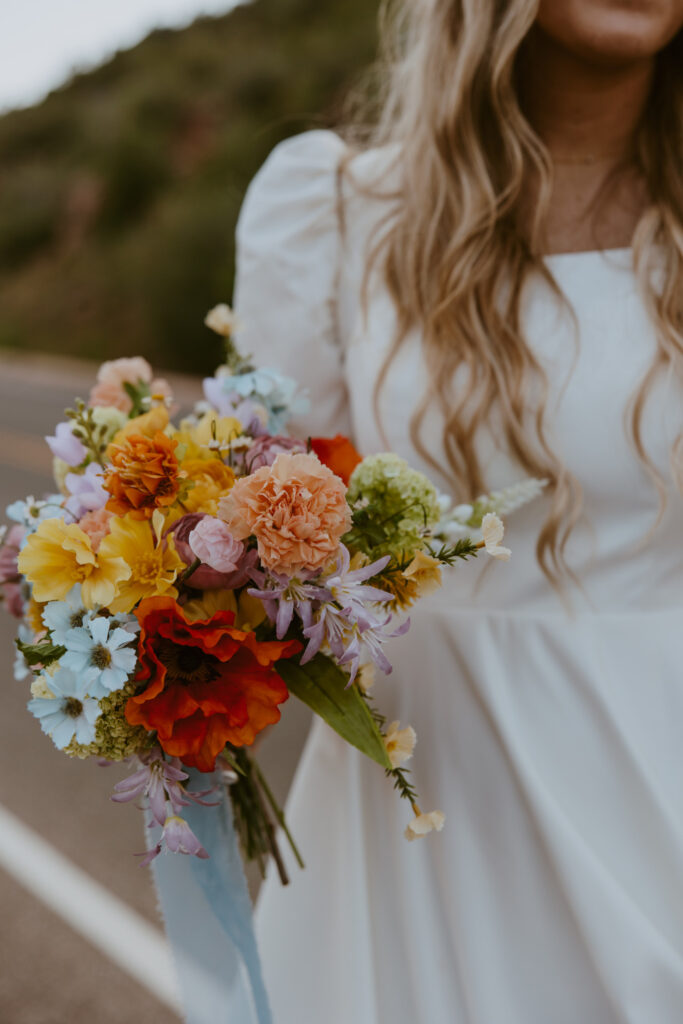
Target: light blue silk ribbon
<point x="208" y="918"/>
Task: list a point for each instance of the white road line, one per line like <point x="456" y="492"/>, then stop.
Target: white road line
<point x="105" y="921"/>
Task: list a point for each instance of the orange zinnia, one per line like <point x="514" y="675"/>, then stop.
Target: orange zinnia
<point x="338" y="454"/>
<point x="208" y="683"/>
<point x="145" y="475"/>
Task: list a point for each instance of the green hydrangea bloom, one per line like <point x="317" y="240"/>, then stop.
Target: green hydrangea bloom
<point x="114" y="739"/>
<point x="400" y="504"/>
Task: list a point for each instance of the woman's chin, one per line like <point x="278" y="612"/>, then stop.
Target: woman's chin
<point x="611" y="32"/>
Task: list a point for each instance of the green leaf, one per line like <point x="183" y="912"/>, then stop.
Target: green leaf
<point x="324" y="688"/>
<point x="40" y="654"/>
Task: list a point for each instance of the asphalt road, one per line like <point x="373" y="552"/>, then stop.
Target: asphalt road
<point x="49" y="972"/>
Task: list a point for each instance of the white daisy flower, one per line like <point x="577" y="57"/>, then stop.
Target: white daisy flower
<point x="67" y="715"/>
<point x="102" y="660"/>
<point x="61" y="616"/>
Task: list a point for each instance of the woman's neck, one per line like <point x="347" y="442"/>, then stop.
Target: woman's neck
<point x="588" y="117"/>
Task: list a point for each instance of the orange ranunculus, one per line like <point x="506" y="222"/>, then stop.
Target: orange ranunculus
<point x="145" y="475"/>
<point x="208" y="683"/>
<point x="338" y="454"/>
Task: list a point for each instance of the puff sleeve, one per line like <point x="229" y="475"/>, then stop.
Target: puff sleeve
<point x="288" y="260"/>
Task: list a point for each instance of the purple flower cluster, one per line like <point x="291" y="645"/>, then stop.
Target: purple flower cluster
<point x="160" y="781"/>
<point x="337" y="607"/>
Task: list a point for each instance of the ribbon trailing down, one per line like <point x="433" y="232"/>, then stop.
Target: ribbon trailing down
<point x="208" y="918"/>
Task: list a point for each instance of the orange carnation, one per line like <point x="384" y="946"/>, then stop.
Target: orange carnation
<point x="208" y="683"/>
<point x="338" y="454"/>
<point x="145" y="475"/>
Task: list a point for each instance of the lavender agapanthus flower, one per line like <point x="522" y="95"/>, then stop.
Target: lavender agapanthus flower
<point x="337" y="607"/>
<point x="86" y="491"/>
<point x="159" y="780"/>
<point x="178" y="837"/>
<point x="283" y="595"/>
<point x="66" y="446"/>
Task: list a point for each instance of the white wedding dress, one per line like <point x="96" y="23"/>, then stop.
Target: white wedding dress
<point x="552" y="741"/>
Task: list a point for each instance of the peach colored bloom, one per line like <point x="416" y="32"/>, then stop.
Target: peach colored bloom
<point x="112" y="375"/>
<point x="295" y="508"/>
<point x="96" y="525"/>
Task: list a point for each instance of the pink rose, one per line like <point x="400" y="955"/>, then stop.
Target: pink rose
<point x="205" y="576"/>
<point x="112" y="375"/>
<point x="213" y="544"/>
<point x="295" y="508"/>
<point x="266" y="449"/>
<point x="9" y="552"/>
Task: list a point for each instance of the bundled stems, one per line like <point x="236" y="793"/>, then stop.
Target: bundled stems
<point x="251" y="796"/>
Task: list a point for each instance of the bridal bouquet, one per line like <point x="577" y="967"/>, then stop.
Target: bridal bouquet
<point x="184" y="580"/>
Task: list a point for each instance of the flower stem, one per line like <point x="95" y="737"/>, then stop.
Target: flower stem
<point x="277" y="811"/>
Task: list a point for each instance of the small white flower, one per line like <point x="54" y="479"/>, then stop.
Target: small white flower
<point x="103" y="661"/>
<point x="492" y="531"/>
<point x="400" y="744"/>
<point x="423" y="824"/>
<point x="222" y="320"/>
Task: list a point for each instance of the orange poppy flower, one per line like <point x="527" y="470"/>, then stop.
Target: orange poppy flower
<point x="208" y="683"/>
<point x="145" y="475"/>
<point x="338" y="454"/>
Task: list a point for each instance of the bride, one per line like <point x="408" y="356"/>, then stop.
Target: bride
<point x="490" y="282"/>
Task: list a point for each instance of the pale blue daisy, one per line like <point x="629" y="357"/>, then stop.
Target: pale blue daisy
<point x="61" y="616"/>
<point x="103" y="660"/>
<point x="68" y="715"/>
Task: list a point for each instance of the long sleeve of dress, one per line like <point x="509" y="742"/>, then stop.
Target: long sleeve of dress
<point x="288" y="258"/>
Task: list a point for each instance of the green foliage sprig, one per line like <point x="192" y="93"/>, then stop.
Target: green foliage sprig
<point x="92" y="435"/>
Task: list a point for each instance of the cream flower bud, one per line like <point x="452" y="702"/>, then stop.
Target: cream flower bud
<point x="366" y="677"/>
<point x="221" y="319"/>
<point x="492" y="531"/>
<point x="424" y="824"/>
<point x="400" y="744"/>
<point x="425" y="572"/>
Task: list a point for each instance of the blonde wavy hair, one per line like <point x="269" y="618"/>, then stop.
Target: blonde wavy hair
<point x="456" y="265"/>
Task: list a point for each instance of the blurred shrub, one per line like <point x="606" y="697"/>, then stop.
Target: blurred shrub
<point x="120" y="192"/>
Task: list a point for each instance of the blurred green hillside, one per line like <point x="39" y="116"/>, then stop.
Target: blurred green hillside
<point x="119" y="193"/>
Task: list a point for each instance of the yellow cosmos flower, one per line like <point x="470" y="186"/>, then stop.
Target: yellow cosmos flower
<point x="248" y="611"/>
<point x="425" y="572"/>
<point x="211" y="479"/>
<point x="60" y="554"/>
<point x="153" y="564"/>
